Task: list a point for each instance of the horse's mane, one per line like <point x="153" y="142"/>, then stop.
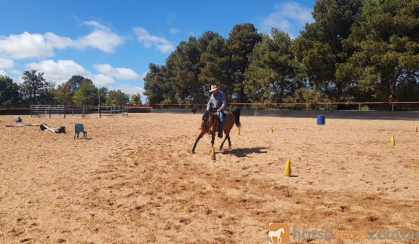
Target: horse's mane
<point x="208" y="115"/>
<point x="205" y="116"/>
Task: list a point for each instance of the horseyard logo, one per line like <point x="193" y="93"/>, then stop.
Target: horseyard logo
<point x="279" y="233"/>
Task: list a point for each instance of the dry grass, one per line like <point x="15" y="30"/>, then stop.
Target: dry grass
<point x="135" y="180"/>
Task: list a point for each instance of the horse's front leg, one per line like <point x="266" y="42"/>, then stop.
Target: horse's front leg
<point x="222" y="144"/>
<point x="197" y="139"/>
<point x="212" y="140"/>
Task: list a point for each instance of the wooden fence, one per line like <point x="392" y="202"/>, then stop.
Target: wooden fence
<point x="47" y="110"/>
<point x="381" y="106"/>
<point x="74" y="110"/>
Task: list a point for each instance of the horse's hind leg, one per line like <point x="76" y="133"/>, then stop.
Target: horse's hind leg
<point x="229" y="141"/>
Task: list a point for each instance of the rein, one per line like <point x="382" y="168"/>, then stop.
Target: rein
<point x="207" y="123"/>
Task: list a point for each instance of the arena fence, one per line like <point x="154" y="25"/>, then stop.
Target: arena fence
<point x="47" y="110"/>
<point x="77" y="110"/>
<point x="361" y="106"/>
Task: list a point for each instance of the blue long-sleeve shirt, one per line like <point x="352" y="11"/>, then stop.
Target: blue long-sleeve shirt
<point x="217" y="101"/>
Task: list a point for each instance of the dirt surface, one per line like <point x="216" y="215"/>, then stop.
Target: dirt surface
<point x="134" y="180"/>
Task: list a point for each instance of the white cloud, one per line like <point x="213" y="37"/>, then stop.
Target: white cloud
<point x="119" y="73"/>
<point x="165" y="48"/>
<point x="148" y="40"/>
<point x="102" y="80"/>
<point x="289" y="17"/>
<point x="63" y="70"/>
<point x="130" y="89"/>
<point x="96" y="24"/>
<point x="174" y="31"/>
<point x="27" y="45"/>
<point x="6" y="63"/>
<point x="16" y="72"/>
<point x="101" y="38"/>
<point x="59" y="71"/>
<point x="2" y="72"/>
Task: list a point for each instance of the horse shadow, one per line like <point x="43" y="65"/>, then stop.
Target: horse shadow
<point x="244" y="152"/>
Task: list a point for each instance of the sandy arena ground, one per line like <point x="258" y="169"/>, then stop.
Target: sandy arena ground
<point x="135" y="180"/>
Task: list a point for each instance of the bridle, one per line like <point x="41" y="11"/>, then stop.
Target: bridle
<point x="207" y="122"/>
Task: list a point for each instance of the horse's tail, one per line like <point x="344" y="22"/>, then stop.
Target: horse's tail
<point x="236" y="113"/>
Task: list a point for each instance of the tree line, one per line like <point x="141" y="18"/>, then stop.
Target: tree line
<point x="78" y="90"/>
<point x="355" y="50"/>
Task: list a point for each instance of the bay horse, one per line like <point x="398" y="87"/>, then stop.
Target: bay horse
<point x="210" y="125"/>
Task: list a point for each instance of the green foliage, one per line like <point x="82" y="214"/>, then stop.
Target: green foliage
<point x="34" y="87"/>
<point x="271" y="72"/>
<point x="241" y="42"/>
<point x="320" y="47"/>
<point x="136" y="99"/>
<point x="365" y="108"/>
<point x="387" y="47"/>
<point x="86" y="94"/>
<point x="304" y="95"/>
<point x="158" y="88"/>
<point x="102" y="94"/>
<point x="64" y="95"/>
<point x="9" y="91"/>
<point x="117" y="97"/>
<point x="75" y="82"/>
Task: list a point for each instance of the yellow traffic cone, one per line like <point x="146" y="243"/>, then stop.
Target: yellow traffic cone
<point x="213" y="153"/>
<point x="393" y="142"/>
<point x="416" y="129"/>
<point x="238" y="132"/>
<point x="272" y="129"/>
<point x="287" y="171"/>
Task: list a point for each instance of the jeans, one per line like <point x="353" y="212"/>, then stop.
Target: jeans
<point x="222" y="114"/>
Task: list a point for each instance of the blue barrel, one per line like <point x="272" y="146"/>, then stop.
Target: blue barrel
<point x="321" y="120"/>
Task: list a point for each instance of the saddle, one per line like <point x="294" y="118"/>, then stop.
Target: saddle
<point x="217" y="116"/>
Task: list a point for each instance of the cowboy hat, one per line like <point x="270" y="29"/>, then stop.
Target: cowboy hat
<point x="214" y="87"/>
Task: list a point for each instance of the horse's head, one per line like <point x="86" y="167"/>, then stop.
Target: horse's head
<point x="210" y="120"/>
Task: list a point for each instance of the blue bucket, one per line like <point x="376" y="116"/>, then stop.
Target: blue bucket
<point x="321" y="120"/>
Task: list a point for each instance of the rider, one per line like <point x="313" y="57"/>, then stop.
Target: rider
<point x="218" y="101"/>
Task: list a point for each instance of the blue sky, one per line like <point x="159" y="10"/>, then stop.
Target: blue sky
<point x="112" y="42"/>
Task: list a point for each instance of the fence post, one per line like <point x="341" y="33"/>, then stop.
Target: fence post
<point x="82" y="113"/>
<point x="100" y="112"/>
<point x="331" y="106"/>
<point x="49" y="111"/>
<point x="64" y="111"/>
<point x="392" y="107"/>
<point x="359" y="107"/>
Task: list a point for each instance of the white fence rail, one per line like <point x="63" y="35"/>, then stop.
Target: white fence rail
<point x="48" y="110"/>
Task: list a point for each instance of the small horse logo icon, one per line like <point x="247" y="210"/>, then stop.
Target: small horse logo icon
<point x="279" y="233"/>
